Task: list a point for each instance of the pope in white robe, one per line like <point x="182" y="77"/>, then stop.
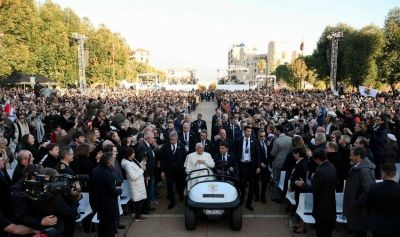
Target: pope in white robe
<point x="199" y="160"/>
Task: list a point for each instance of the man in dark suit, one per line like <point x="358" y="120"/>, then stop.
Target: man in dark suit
<point x="225" y="162"/>
<point x="247" y="160"/>
<point x="264" y="175"/>
<point x="198" y="125"/>
<point x="221" y="138"/>
<point x="217" y="115"/>
<point x="233" y="130"/>
<point x="205" y="142"/>
<point x="215" y="129"/>
<point x="24" y="158"/>
<point x="145" y="151"/>
<point x="323" y="189"/>
<point x="187" y="138"/>
<point x="383" y="204"/>
<point x="172" y="167"/>
<point x="105" y="200"/>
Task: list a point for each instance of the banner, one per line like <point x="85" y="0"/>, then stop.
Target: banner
<point x="364" y="91"/>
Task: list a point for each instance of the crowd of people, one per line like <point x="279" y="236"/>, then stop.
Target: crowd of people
<point x="325" y="143"/>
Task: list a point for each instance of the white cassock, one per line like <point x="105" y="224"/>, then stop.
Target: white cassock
<point x="191" y="165"/>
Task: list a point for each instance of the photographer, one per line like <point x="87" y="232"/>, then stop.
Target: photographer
<point x="37" y="204"/>
<point x="71" y="198"/>
<point x="6" y="226"/>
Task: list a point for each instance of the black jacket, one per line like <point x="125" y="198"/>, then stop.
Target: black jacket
<point x="233" y="132"/>
<point x="197" y="126"/>
<point x="215" y="146"/>
<point x="378" y="142"/>
<point x="104" y="193"/>
<point x="143" y="151"/>
<point x="323" y="189"/>
<point x="18" y="173"/>
<point x="299" y="172"/>
<point x="192" y="141"/>
<point x="6" y="202"/>
<point x="170" y="161"/>
<point x="50" y="162"/>
<point x="219" y="165"/>
<point x="383" y="205"/>
<point x="253" y="151"/>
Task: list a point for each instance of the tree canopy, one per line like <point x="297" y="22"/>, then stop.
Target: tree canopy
<point x="38" y="39"/>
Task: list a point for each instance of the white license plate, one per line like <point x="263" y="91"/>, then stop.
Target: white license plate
<point x="213" y="212"/>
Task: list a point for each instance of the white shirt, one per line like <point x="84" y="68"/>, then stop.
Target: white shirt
<point x="173" y="148"/>
<point x="246" y="155"/>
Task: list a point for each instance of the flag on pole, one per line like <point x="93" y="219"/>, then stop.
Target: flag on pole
<point x="302" y="46"/>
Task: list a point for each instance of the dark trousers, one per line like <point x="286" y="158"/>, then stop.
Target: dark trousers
<point x="360" y="233"/>
<point x="324" y="228"/>
<point x="107" y="227"/>
<point x="382" y="235"/>
<point x="139" y="208"/>
<point x="247" y="174"/>
<point x="69" y="226"/>
<point x="177" y="178"/>
<point x="264" y="182"/>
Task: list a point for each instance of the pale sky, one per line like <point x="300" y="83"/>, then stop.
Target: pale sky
<point x="198" y="34"/>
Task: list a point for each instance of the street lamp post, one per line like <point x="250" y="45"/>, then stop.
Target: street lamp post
<point x="80" y="40"/>
<point x="334" y="37"/>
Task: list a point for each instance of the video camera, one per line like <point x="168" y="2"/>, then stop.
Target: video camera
<point x="42" y="188"/>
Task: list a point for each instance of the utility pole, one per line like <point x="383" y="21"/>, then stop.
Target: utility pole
<point x="80" y="39"/>
<point x="334" y="37"/>
<point x="266" y="71"/>
<point x="113" y="64"/>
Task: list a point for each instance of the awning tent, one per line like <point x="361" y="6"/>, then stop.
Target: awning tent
<point x="25" y="79"/>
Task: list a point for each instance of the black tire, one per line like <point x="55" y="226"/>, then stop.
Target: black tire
<point x="190" y="218"/>
<point x="236" y="218"/>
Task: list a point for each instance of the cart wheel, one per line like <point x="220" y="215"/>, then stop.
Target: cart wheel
<point x="236" y="218"/>
<point x="190" y="218"/>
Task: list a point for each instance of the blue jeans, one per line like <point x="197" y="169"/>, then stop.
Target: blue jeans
<point x="152" y="196"/>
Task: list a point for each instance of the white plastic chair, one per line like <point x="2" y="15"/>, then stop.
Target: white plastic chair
<point x="304" y="209"/>
<point x="290" y="196"/>
<point x="126" y="193"/>
<point x="340" y="218"/>
<point x="282" y="180"/>
<point x="398" y="171"/>
<point x="84" y="208"/>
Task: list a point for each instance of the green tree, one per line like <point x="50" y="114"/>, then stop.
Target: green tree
<point x="54" y="51"/>
<point x="283" y="73"/>
<point x="299" y="72"/>
<point x="321" y="55"/>
<point x="261" y="65"/>
<point x="360" y="55"/>
<point x="389" y="62"/>
<point x="20" y="36"/>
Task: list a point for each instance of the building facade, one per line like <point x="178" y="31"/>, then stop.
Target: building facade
<point x="141" y="55"/>
<point x="181" y="76"/>
<point x="244" y="66"/>
<point x="277" y="55"/>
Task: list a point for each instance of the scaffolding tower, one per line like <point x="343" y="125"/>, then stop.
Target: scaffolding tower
<point x="80" y="40"/>
<point x="334" y="37"/>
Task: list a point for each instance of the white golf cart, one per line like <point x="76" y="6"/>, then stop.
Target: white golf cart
<point x="214" y="196"/>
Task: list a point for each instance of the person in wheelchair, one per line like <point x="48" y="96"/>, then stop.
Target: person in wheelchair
<point x="225" y="163"/>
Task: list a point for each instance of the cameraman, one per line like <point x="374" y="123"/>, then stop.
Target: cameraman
<point x="6" y="212"/>
<point x="36" y="208"/>
<point x="72" y="198"/>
